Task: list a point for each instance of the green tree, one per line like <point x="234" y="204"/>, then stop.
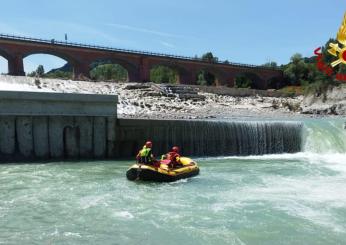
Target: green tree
<point x="271" y="64"/>
<point x="327" y="57"/>
<point x="319" y="86"/>
<point x="59" y="74"/>
<point x="163" y="74"/>
<point x="243" y="81"/>
<point x="31" y="74"/>
<point x="201" y="80"/>
<point x="210" y="57"/>
<point x="304" y="71"/>
<point x="312" y="72"/>
<point x="40" y="71"/>
<point x="106" y="72"/>
<point x="297" y="70"/>
<point x="206" y="78"/>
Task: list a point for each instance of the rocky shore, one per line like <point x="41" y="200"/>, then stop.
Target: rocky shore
<point x="137" y="100"/>
<point x="331" y="103"/>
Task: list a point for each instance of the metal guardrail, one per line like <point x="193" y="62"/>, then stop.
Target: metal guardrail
<point x="103" y="48"/>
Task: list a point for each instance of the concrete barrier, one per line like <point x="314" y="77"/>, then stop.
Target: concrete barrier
<point x="56" y="104"/>
<point x="54" y="126"/>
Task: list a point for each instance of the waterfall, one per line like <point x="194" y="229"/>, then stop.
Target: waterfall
<point x="213" y="138"/>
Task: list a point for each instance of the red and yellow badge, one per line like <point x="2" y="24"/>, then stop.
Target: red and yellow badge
<point x="338" y="50"/>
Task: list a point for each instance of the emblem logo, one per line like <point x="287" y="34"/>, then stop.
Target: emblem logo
<point x="338" y="50"/>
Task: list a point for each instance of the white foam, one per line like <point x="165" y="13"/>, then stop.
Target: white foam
<point x="92" y="201"/>
<point x="305" y="156"/>
<point x="74" y="234"/>
<point x="123" y="214"/>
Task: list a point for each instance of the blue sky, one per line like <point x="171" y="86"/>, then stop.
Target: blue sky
<point x="246" y="31"/>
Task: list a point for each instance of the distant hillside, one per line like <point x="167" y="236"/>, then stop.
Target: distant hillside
<point x="68" y="68"/>
<point x="65" y="68"/>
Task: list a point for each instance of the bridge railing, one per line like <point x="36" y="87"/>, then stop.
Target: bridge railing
<point x="130" y="51"/>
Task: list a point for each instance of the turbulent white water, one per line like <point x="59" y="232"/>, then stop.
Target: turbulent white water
<point x="270" y="199"/>
<point x="325" y="136"/>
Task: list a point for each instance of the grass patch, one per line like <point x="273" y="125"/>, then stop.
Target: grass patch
<point x="292" y="90"/>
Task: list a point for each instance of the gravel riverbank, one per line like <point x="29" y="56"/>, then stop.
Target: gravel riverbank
<point x="144" y="101"/>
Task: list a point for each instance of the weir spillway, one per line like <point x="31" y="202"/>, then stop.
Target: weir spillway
<point x="52" y="126"/>
<point x="210" y="138"/>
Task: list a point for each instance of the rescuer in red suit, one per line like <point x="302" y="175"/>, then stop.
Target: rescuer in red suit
<point x="174" y="157"/>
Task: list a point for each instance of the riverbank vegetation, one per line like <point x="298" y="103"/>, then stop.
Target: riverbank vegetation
<point x="304" y="73"/>
<point x="106" y="72"/>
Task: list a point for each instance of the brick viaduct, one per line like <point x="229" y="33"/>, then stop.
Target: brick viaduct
<point x="138" y="64"/>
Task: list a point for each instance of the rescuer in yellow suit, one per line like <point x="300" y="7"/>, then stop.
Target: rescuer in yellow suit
<point x="145" y="155"/>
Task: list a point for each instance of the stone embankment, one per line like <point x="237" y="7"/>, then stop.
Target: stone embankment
<point x="331" y="103"/>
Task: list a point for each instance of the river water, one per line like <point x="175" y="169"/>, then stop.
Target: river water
<point x="271" y="199"/>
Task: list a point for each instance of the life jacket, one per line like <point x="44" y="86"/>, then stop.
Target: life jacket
<point x="173" y="157"/>
<point x="144" y="155"/>
<point x="145" y="152"/>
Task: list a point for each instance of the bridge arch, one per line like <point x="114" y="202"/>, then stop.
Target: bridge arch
<point x="274" y="82"/>
<point x="5" y="54"/>
<point x="164" y="74"/>
<point x="106" y="71"/>
<point x="210" y="76"/>
<point x="130" y="68"/>
<point x="249" y="80"/>
<point x="176" y="72"/>
<point x="60" y="55"/>
<point x="33" y="59"/>
<point x="69" y="59"/>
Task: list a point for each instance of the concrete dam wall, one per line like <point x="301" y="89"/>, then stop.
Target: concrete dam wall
<point x="209" y="138"/>
<point x="50" y="126"/>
